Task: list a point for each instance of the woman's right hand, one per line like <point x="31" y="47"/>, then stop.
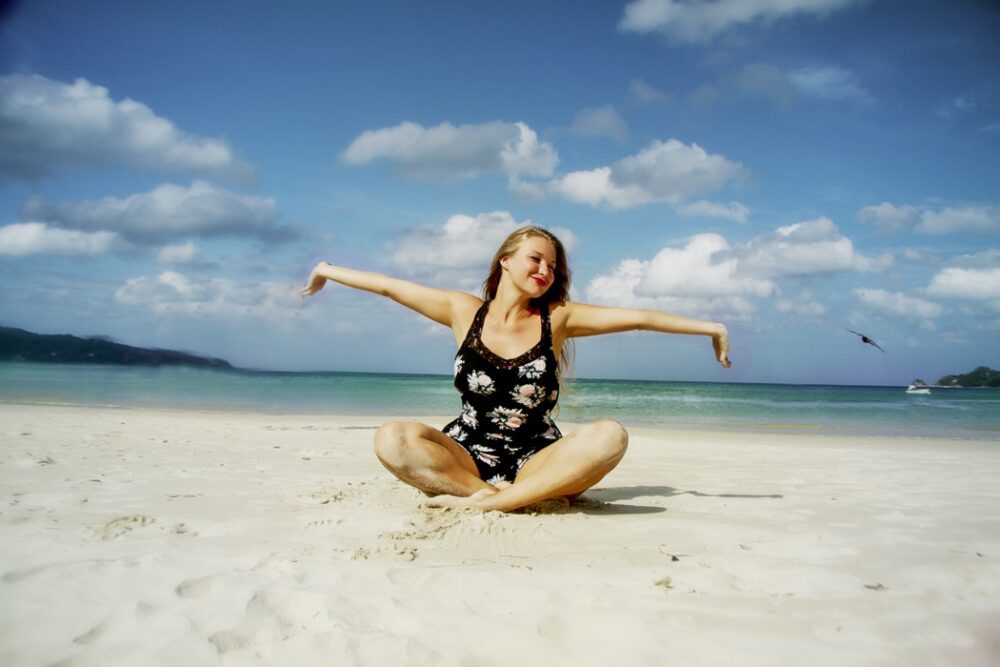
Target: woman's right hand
<point x="316" y="281"/>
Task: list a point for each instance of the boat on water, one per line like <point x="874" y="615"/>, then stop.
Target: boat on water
<point x="918" y="387"/>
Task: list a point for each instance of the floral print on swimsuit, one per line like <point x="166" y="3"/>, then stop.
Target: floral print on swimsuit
<point x="506" y="403"/>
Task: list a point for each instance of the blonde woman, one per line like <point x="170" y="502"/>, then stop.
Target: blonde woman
<point x="504" y="451"/>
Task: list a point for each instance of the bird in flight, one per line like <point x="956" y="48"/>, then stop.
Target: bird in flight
<point x="866" y="339"/>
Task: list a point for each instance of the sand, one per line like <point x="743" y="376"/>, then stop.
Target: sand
<point x="150" y="537"/>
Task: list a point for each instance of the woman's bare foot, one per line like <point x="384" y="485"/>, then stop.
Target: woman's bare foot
<point x="475" y="500"/>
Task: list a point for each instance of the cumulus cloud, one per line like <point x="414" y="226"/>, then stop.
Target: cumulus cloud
<point x="693" y="279"/>
<point x="48" y="125"/>
<point x="184" y="253"/>
<point x="704" y="267"/>
<point x="34" y="238"/>
<point x="698" y="21"/>
<point x="709" y="275"/>
<point x="601" y="122"/>
<point x="670" y="172"/>
<point x="972" y="219"/>
<point x="983" y="219"/>
<point x="899" y="304"/>
<point x="450" y="152"/>
<point x="626" y="285"/>
<point x="456" y="253"/>
<point x="888" y="217"/>
<point x="804" y="248"/>
<point x="172" y="293"/>
<point x="167" y="211"/>
<point x="972" y="284"/>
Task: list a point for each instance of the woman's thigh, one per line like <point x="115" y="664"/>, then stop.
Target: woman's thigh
<point x="417" y="435"/>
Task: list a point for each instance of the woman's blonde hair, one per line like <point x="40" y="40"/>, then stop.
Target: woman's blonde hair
<point x="558" y="291"/>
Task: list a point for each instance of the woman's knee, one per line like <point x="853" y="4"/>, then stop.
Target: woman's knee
<point x="393" y="442"/>
<point x="609" y="439"/>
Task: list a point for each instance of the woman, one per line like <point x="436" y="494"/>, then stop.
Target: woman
<point x="504" y="451"/>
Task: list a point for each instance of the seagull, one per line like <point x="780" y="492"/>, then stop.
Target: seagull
<point x="866" y="339"/>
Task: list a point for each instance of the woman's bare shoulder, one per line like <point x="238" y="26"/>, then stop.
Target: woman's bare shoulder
<point x="558" y="311"/>
<point x="465" y="303"/>
<point x="464" y="308"/>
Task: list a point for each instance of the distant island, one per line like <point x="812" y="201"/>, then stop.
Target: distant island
<point x="981" y="377"/>
<point x="21" y="345"/>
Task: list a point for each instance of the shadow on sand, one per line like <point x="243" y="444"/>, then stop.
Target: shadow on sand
<point x="605" y="501"/>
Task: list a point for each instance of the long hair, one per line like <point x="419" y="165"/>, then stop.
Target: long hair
<point x="558" y="291"/>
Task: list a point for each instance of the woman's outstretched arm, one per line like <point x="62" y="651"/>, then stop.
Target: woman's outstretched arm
<point x="580" y="319"/>
<point x="436" y="304"/>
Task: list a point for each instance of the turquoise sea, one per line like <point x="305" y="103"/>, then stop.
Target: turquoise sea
<point x="971" y="413"/>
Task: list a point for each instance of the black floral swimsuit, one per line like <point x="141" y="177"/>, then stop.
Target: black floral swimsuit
<point x="506" y="403"/>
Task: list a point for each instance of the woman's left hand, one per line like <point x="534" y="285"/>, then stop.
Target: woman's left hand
<point x="316" y="282"/>
<point x="720" y="343"/>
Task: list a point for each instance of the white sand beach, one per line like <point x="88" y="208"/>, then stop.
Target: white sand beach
<point x="146" y="537"/>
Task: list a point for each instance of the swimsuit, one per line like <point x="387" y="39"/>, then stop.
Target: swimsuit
<point x="506" y="403"/>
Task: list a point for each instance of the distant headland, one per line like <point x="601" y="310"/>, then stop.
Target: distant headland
<point x="981" y="377"/>
<point x="21" y="345"/>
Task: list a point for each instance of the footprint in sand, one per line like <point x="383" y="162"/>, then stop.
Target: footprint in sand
<point x="123" y="525"/>
<point x="195" y="587"/>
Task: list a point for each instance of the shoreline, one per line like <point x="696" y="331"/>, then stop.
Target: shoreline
<point x="792" y="429"/>
<point x="138" y="536"/>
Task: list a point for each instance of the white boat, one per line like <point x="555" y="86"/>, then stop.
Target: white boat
<point x="918" y="389"/>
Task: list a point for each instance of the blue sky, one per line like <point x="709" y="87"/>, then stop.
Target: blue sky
<point x="169" y="173"/>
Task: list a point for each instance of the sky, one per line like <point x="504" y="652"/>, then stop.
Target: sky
<point x="171" y="171"/>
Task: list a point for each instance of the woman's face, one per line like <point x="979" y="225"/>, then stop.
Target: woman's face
<point x="532" y="267"/>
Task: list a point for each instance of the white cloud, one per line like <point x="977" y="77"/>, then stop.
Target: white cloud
<point x="899" y="304"/>
<point x="701" y="269"/>
<point x="691" y="280"/>
<point x="734" y="211"/>
<point x="453" y="152"/>
<point x="172" y="293"/>
<point x="710" y="276"/>
<point x="698" y="21"/>
<point x="457" y="254"/>
<point x="643" y="93"/>
<point x="807" y="308"/>
<point x="669" y="172"/>
<point x="888" y="217"/>
<point x="972" y="284"/>
<point x="601" y="122"/>
<point x="621" y="287"/>
<point x="34" y="238"/>
<point x="166" y="211"/>
<point x="184" y="253"/>
<point x="830" y="83"/>
<point x="47" y="125"/>
<point x="973" y="219"/>
<point x="810" y="247"/>
<point x="983" y="219"/>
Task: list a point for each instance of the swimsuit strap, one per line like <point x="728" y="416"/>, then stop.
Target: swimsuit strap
<point x="476" y="328"/>
<point x="474" y="338"/>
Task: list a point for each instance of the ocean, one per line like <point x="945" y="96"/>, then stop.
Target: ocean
<point x="890" y="411"/>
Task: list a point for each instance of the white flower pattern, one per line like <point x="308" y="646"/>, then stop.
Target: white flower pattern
<point x="532" y="370"/>
<point x="480" y="383"/>
<point x="486" y="454"/>
<point x="528" y="395"/>
<point x="507" y="419"/>
<point x="506" y="404"/>
<point x="469" y="417"/>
